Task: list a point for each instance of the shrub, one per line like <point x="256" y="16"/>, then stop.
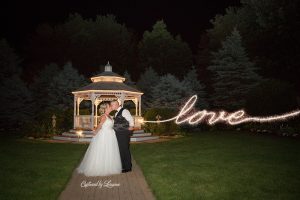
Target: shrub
<point x="41" y="126"/>
<point x="287" y="130"/>
<point x="167" y="128"/>
<point x="271" y="97"/>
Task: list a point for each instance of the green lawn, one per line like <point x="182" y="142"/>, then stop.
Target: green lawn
<point x="35" y="170"/>
<point x="212" y="165"/>
<point x="205" y="165"/>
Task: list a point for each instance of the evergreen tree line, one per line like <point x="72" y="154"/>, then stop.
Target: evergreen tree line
<point x="247" y="59"/>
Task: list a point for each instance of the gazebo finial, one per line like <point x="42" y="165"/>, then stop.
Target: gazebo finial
<point x="108" y="67"/>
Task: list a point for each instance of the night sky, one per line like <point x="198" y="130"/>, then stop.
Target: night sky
<point x="20" y="19"/>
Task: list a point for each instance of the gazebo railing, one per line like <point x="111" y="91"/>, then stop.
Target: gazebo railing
<point x="84" y="121"/>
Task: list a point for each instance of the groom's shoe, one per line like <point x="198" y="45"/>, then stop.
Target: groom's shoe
<point x="126" y="170"/>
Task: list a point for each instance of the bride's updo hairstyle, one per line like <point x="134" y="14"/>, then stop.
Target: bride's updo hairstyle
<point x="102" y="108"/>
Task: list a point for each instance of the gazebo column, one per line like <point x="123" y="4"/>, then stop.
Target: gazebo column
<point x="78" y="101"/>
<point x="93" y="108"/>
<point x="74" y="119"/>
<point x="78" y="104"/>
<point x="96" y="113"/>
<point x="136" y="106"/>
<point x="97" y="102"/>
<point x="122" y="98"/>
<point x="140" y="106"/>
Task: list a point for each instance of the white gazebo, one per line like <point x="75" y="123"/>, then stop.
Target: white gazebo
<point x="105" y="86"/>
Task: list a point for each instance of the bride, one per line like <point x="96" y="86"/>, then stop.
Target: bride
<point x="102" y="157"/>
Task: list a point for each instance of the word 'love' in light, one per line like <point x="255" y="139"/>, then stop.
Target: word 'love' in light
<point x="211" y="118"/>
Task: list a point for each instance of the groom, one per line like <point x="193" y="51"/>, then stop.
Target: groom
<point x="123" y="126"/>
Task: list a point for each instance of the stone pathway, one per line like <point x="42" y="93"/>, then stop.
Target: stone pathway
<point x="126" y="186"/>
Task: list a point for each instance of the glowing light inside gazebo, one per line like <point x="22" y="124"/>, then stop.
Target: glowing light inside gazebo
<point x="105" y="86"/>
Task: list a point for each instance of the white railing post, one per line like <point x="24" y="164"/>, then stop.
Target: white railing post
<point x="140" y="107"/>
<point x="93" y="108"/>
<point x="136" y="106"/>
<point x="74" y="117"/>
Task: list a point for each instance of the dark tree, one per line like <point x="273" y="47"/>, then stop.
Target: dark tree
<point x="62" y="85"/>
<point x="16" y="101"/>
<point x="164" y="52"/>
<point x="147" y="81"/>
<point x="270" y="31"/>
<point x="234" y="74"/>
<point x="87" y="42"/>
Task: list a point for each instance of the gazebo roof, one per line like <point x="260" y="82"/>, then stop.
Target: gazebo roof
<point x="108" y="85"/>
<point x="108" y="80"/>
<point x="108" y="73"/>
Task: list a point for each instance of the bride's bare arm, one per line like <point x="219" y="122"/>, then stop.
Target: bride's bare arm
<point x="102" y="120"/>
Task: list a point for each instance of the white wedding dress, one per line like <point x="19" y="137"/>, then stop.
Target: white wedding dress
<point x="102" y="157"/>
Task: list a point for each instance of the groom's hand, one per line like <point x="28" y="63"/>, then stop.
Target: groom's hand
<point x="130" y="128"/>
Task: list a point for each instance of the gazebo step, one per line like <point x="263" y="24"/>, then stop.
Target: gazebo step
<point x="75" y="138"/>
<point x="138" y="139"/>
<point x="90" y="135"/>
<point x="90" y="132"/>
<point x="83" y="131"/>
<point x="75" y="135"/>
<point x="141" y="134"/>
<point x="138" y="131"/>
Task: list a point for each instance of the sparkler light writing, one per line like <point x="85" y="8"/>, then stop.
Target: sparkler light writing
<point x="211" y="118"/>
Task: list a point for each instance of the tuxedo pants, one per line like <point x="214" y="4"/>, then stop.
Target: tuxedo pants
<point x="123" y="138"/>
